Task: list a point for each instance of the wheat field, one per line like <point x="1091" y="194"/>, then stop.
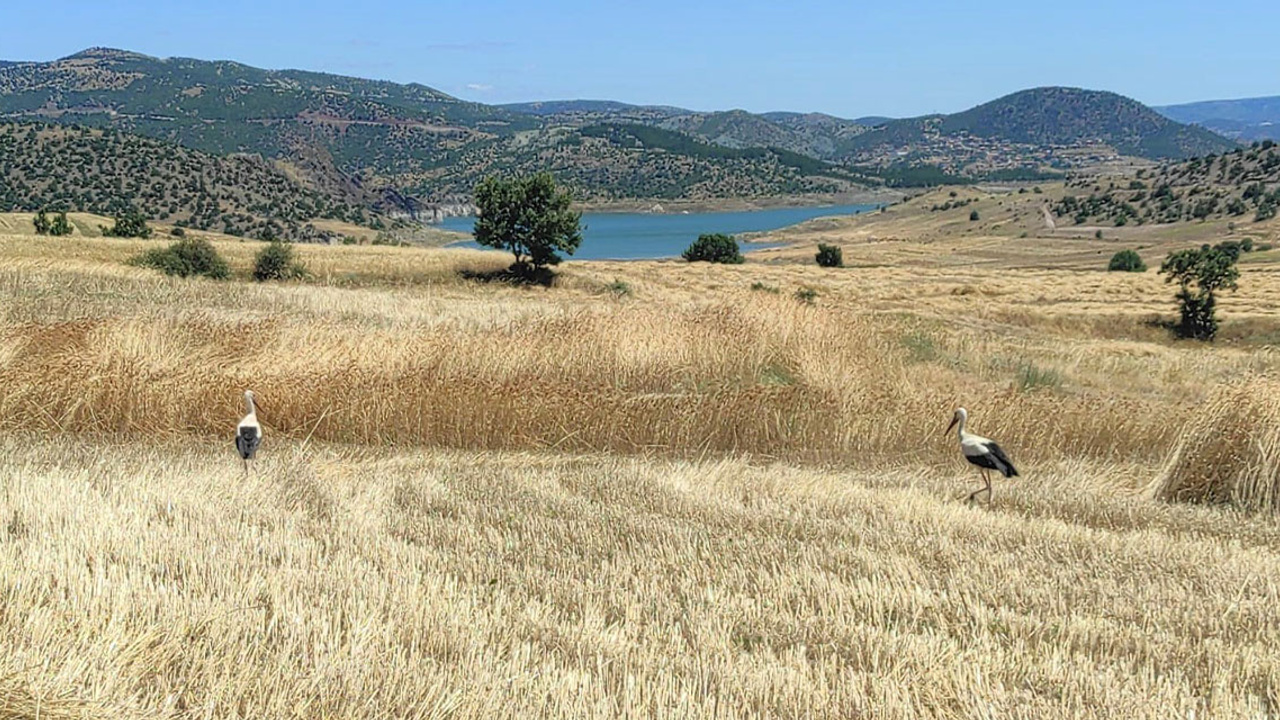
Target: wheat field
<point x="652" y="490"/>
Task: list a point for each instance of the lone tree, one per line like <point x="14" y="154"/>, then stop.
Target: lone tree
<point x="714" y="247"/>
<point x="1200" y="274"/>
<point x="528" y="216"/>
<point x="830" y="255"/>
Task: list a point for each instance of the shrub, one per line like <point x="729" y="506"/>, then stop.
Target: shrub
<point x="185" y="258"/>
<point x="276" y="262"/>
<point x="1097" y="234"/>
<point x="1127" y="261"/>
<point x="714" y="247"/>
<point x="973" y="216"/>
<point x="761" y="287"/>
<point x="132" y="224"/>
<point x="830" y="255"/>
<point x="619" y="288"/>
<point x="60" y="225"/>
<point x="41" y="223"/>
<point x="178" y="232"/>
<point x="807" y="295"/>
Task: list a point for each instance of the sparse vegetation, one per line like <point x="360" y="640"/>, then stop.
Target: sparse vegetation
<point x="714" y="248"/>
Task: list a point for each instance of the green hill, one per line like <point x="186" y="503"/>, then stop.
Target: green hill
<point x="387" y="140"/>
<point x="1050" y="117"/>
<point x="109" y="172"/>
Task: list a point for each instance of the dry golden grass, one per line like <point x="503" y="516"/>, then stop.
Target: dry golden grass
<point x="156" y="581"/>
<point x="1011" y="233"/>
<point x="650" y="490"/>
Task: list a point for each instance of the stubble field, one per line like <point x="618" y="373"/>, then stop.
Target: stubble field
<point x="654" y="489"/>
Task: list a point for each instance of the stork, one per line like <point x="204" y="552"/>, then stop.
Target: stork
<point x="248" y="432"/>
<point x="984" y="453"/>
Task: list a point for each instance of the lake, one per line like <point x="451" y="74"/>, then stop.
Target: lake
<point x="635" y="236"/>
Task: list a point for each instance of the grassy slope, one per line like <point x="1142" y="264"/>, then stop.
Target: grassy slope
<point x="1010" y="232"/>
<point x="695" y="498"/>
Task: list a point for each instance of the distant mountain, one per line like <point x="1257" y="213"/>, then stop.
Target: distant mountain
<point x="1045" y="127"/>
<point x="873" y="120"/>
<point x="394" y="141"/>
<point x="600" y="107"/>
<point x="1247" y="119"/>
<point x="109" y="172"/>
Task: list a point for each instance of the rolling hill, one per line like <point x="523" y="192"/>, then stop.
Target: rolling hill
<point x="108" y="172"/>
<point x="404" y="144"/>
<point x="1246" y="119"/>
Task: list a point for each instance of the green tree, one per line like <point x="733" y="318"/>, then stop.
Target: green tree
<point x="529" y="217"/>
<point x="1200" y="274"/>
<point x="973" y="216"/>
<point x="60" y="225"/>
<point x="1127" y="261"/>
<point x="276" y="262"/>
<point x="41" y="223"/>
<point x="830" y="255"/>
<point x="715" y="248"/>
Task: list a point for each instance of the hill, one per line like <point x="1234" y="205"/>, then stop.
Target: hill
<point x="404" y="145"/>
<point x="1246" y="119"/>
<point x="1243" y="185"/>
<point x="1052" y="126"/>
<point x="108" y="172"/>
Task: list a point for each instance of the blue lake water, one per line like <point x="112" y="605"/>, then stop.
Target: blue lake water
<point x="634" y="236"/>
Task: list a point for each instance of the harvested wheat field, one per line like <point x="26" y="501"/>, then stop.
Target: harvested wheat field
<point x="653" y="489"/>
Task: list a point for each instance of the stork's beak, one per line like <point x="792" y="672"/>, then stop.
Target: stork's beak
<point x="954" y="420"/>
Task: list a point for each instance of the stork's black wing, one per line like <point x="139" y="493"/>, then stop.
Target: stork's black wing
<point x="1002" y="462"/>
<point x="247" y="441"/>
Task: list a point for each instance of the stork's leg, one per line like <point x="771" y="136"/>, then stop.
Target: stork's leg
<point x="975" y="493"/>
<point x="986" y="475"/>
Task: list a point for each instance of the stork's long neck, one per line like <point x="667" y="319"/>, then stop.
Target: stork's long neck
<point x="960" y="427"/>
<point x="250" y="409"/>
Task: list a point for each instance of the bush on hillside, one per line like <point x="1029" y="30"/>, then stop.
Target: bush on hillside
<point x="276" y="262"/>
<point x="973" y="216"/>
<point x="1127" y="261"/>
<point x="186" y="258"/>
<point x="714" y="247"/>
<point x="830" y="255"/>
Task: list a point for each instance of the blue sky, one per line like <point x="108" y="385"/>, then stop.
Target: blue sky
<point x="844" y="58"/>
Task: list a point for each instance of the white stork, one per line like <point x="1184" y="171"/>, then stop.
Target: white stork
<point x="984" y="453"/>
<point x="248" y="432"/>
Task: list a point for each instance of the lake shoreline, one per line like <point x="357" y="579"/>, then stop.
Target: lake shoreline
<point x="654" y="236"/>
